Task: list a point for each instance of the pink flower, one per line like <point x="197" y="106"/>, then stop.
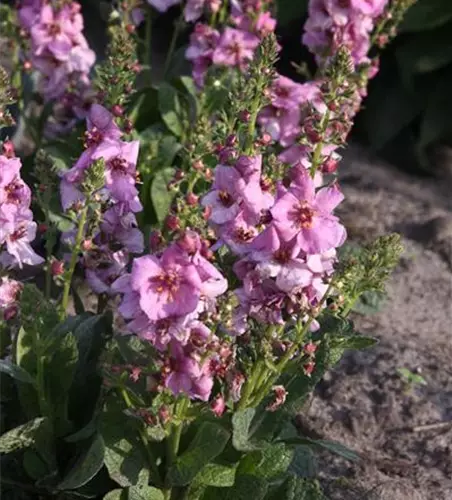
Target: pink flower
<point x="235" y="48"/>
<point x="303" y="214"/>
<point x="166" y="287"/>
<point x="9" y="292"/>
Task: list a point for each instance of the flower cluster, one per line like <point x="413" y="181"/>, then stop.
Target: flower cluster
<point x="286" y="242"/>
<point x="118" y="196"/>
<point x="335" y="23"/>
<point x="249" y="21"/>
<point x="167" y="296"/>
<point x="60" y="52"/>
<point x="17" y="228"/>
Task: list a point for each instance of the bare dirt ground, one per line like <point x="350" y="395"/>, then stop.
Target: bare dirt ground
<point x="363" y="402"/>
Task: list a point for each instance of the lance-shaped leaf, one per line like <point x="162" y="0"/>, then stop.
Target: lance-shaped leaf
<point x="23" y="436"/>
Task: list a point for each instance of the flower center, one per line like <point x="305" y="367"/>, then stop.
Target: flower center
<point x="18" y="234"/>
<point x="166" y="282"/>
<point x="282" y="255"/>
<point x="54" y="29"/>
<point x="118" y="165"/>
<point x="244" y="235"/>
<point x="225" y="198"/>
<point x="13" y="192"/>
<point x="93" y="137"/>
<point x="303" y="215"/>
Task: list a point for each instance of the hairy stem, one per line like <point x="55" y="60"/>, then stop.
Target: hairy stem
<point x="73" y="262"/>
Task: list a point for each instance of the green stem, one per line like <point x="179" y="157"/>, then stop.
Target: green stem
<point x="144" y="439"/>
<point x="73" y="262"/>
<point x="317" y="156"/>
<point x="250" y="385"/>
<point x="172" y="47"/>
<point x="173" y="441"/>
<point x="252" y="123"/>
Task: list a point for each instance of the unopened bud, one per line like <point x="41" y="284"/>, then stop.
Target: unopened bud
<point x="8" y="149"/>
<point x="329" y="166"/>
<point x="192" y="199"/>
<point x="87" y="245"/>
<point x="117" y="110"/>
<point x="198" y="165"/>
<point x="172" y="222"/>
<point x="57" y="268"/>
<point x="218" y="406"/>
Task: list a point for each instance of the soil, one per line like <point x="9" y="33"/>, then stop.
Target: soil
<point x="364" y="403"/>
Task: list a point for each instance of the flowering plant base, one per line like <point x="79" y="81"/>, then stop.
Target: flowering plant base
<point x="200" y="214"/>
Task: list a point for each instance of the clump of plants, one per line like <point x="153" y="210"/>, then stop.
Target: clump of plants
<point x="170" y="286"/>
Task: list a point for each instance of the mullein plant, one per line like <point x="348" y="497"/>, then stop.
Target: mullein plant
<point x="195" y="287"/>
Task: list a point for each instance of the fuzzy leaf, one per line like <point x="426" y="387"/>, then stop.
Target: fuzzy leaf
<point x="332" y="446"/>
<point x="355" y="342"/>
<point x="161" y="197"/>
<point x="216" y="475"/>
<point x="267" y="463"/>
<point x="124" y="458"/>
<point x="208" y="443"/>
<point x="241" y="426"/>
<point x="370" y="303"/>
<point x="23" y="436"/>
<point x="86" y="466"/>
<point x="140" y="492"/>
<point x="245" y="488"/>
<point x="303" y="463"/>
<point x="296" y="488"/>
<point x="16" y="372"/>
<point x="170" y="108"/>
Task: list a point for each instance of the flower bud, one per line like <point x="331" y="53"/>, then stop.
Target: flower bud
<point x="308" y="368"/>
<point x="87" y="245"/>
<point x="189" y="242"/>
<point x="179" y="175"/>
<point x="57" y="268"/>
<point x="164" y="414"/>
<point x="218" y="406"/>
<point x="42" y="228"/>
<point x="198" y="165"/>
<point x="329" y="166"/>
<point x="10" y="312"/>
<point x="245" y="116"/>
<point x="155" y="240"/>
<point x="192" y="199"/>
<point x="207" y="212"/>
<point x="117" y="110"/>
<point x="130" y="28"/>
<point x="172" y="222"/>
<point x="8" y="149"/>
<point x="310" y="348"/>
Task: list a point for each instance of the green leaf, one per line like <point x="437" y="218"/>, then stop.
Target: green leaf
<point x="91" y="334"/>
<point x="303" y="463"/>
<point x="86" y="466"/>
<point x="16" y="372"/>
<point x="267" y="463"/>
<point x="208" y="443"/>
<point x="26" y="360"/>
<point x="141" y="492"/>
<point x="23" y="436"/>
<point x="161" y="197"/>
<point x="124" y="456"/>
<point x="167" y="149"/>
<point x="336" y="448"/>
<point x="59" y="365"/>
<point x="425" y="52"/>
<point x="216" y="475"/>
<point x="296" y="488"/>
<point x="245" y="488"/>
<point x="241" y="426"/>
<point x="37" y="313"/>
<point x="369" y="303"/>
<point x="355" y="342"/>
<point x="426" y="14"/>
<point x="289" y="10"/>
<point x="170" y="108"/>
